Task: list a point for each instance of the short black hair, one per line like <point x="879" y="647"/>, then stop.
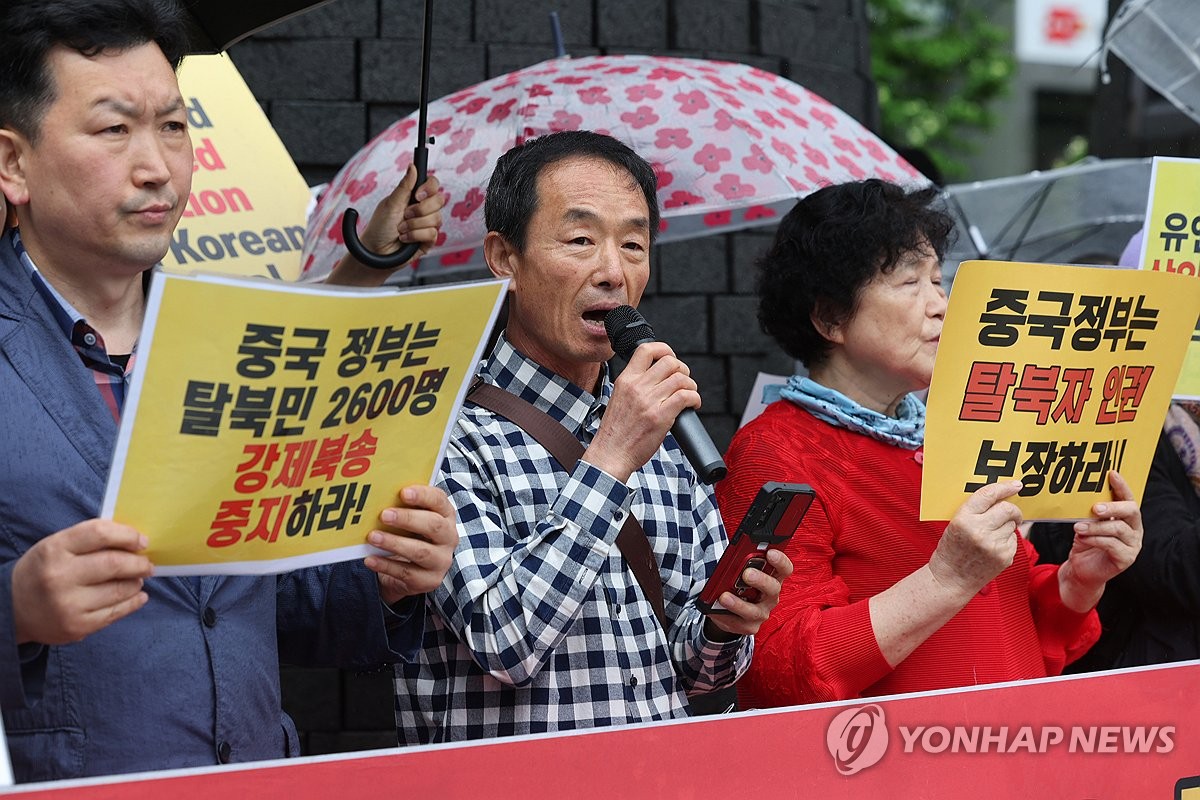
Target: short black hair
<point x="512" y="191"/>
<point x="829" y="246"/>
<point x="30" y="29"/>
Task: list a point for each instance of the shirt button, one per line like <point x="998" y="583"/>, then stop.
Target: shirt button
<point x="89" y="339"/>
<point x="633" y="681"/>
<point x="224" y="751"/>
<point x="618" y="515"/>
<point x="210" y="618"/>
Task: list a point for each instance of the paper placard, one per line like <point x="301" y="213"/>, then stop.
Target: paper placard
<point x="269" y="436"/>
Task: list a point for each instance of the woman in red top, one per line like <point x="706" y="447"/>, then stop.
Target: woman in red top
<point x="879" y="601"/>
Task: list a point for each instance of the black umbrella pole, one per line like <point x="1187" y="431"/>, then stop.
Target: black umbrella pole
<point x="420" y="161"/>
<point x="423" y="100"/>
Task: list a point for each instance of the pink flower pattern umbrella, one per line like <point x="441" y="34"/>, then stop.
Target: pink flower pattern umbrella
<point x="733" y="146"/>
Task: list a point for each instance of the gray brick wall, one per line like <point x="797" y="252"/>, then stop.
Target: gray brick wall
<point x="632" y="24"/>
<point x="711" y="25"/>
<point x="332" y="79"/>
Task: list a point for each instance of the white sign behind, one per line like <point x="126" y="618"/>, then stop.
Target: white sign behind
<point x="1063" y="32"/>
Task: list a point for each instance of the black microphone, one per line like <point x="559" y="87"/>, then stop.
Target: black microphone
<point x="626" y="330"/>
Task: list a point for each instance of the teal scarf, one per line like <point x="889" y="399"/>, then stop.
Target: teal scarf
<point x="906" y="429"/>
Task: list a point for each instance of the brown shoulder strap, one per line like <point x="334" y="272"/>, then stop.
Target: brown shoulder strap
<point x="566" y="449"/>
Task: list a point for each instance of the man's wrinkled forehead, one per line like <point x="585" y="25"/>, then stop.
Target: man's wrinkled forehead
<point x="589" y="217"/>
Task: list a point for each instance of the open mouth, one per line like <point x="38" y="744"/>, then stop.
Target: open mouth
<point x="593" y="322"/>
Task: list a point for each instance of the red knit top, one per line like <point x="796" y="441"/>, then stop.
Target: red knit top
<point x="861" y="536"/>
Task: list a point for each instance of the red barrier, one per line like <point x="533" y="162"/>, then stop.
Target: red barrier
<point x="1127" y="734"/>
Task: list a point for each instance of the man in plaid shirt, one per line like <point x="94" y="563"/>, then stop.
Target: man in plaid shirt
<point x="540" y="625"/>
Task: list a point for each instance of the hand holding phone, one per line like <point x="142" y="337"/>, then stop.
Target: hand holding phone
<point x="773" y="517"/>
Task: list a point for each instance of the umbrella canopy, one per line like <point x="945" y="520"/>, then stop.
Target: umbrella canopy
<point x="733" y="146"/>
<point x="220" y="24"/>
<point x="1158" y="39"/>
<point x="1054" y="216"/>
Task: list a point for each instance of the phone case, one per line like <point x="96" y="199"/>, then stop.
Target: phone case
<point x="773" y="517"/>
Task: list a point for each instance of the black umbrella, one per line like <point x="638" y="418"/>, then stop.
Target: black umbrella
<point x="420" y="161"/>
<point x="219" y="24"/>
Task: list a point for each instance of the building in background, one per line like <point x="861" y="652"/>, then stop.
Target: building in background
<point x="1059" y="108"/>
<point x="1047" y="115"/>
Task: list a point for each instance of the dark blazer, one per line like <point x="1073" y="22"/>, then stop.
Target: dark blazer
<point x="193" y="677"/>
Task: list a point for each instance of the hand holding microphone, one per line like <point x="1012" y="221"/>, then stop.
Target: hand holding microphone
<point x="627" y="329"/>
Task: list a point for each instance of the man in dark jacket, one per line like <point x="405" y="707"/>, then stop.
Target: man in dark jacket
<point x="104" y="669"/>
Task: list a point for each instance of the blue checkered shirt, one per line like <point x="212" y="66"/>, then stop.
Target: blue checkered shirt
<point x="540" y="625"/>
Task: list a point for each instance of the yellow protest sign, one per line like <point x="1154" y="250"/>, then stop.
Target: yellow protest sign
<point x="1052" y="375"/>
<point x="1171" y="242"/>
<point x="246" y="211"/>
<point x="271" y="434"/>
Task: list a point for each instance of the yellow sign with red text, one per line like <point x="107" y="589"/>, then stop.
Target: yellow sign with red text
<point x="270" y="436"/>
<point x="1171" y="243"/>
<point x="1052" y="375"/>
<point x="246" y="211"/>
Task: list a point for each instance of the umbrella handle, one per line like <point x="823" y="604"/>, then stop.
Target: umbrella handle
<point x="360" y="251"/>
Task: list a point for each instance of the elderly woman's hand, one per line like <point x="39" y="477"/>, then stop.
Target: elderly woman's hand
<point x="980" y="542"/>
<point x="1104" y="546"/>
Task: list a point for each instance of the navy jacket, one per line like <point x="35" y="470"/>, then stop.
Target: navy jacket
<point x="190" y="679"/>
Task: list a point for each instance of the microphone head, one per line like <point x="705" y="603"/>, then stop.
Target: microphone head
<point x="626" y="329"/>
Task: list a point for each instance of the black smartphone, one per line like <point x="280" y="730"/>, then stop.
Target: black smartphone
<point x="773" y="517"/>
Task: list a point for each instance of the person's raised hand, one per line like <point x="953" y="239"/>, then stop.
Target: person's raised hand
<point x="745" y="618"/>
<point x="981" y="541"/>
<point x="404" y="218"/>
<point x="1104" y="546"/>
<point x="420" y="537"/>
<point x="401" y="218"/>
<point x="647" y="396"/>
<point x="77" y="581"/>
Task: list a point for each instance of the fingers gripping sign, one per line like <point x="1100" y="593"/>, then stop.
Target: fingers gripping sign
<point x="1104" y="546"/>
<point x="420" y="538"/>
<point x="77" y="581"/>
<point x="981" y="541"/>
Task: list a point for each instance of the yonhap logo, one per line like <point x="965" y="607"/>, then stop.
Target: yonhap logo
<point x="857" y="738"/>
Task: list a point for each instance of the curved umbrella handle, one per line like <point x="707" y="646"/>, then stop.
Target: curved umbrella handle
<point x="350" y="227"/>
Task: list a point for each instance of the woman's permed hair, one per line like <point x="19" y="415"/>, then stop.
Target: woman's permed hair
<point x="829" y="246"/>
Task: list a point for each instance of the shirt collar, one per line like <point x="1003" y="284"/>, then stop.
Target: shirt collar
<point x="64" y="313"/>
<point x="512" y="370"/>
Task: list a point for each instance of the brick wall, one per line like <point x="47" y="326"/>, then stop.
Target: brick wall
<point x="333" y="78"/>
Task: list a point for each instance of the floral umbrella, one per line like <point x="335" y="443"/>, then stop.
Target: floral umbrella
<point x="733" y="146"/>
